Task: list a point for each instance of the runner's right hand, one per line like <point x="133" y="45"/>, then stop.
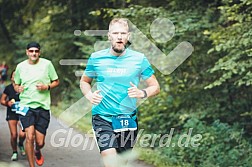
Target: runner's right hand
<point x="94" y="98"/>
<point x="11" y="102"/>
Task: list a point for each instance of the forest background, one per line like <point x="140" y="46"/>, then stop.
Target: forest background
<point x="210" y="92"/>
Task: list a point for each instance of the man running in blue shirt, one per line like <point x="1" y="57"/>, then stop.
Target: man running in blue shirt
<point x="117" y="71"/>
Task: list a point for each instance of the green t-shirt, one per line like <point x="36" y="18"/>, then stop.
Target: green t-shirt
<point x="28" y="75"/>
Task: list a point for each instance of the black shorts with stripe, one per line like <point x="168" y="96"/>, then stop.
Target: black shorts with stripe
<point x="106" y="138"/>
<point x="38" y="117"/>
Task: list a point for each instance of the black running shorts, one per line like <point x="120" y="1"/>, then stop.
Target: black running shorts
<point x="106" y="138"/>
<point x="38" y="117"/>
<point x="11" y="115"/>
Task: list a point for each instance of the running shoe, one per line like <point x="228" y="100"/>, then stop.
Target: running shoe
<point x="14" y="157"/>
<point x="22" y="150"/>
<point x="39" y="158"/>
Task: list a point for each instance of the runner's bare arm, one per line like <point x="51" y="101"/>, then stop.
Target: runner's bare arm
<point x="6" y="102"/>
<point x="85" y="86"/>
<point x="152" y="89"/>
<point x="53" y="84"/>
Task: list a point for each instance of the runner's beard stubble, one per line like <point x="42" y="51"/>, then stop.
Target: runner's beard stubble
<point x="118" y="50"/>
<point x="125" y="46"/>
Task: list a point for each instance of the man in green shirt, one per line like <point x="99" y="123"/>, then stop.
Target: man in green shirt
<point x="34" y="78"/>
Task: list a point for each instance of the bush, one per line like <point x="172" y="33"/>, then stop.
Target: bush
<point x="221" y="145"/>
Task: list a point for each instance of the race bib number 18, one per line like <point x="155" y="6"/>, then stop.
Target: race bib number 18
<point x="123" y="123"/>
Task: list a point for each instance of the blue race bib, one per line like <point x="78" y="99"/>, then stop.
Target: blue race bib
<point x="22" y="110"/>
<point x="123" y="123"/>
<point x="15" y="106"/>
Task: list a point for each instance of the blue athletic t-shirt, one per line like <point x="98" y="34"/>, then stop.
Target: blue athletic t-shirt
<point x="113" y="75"/>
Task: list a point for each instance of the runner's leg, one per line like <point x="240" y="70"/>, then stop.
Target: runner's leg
<point x="13" y="132"/>
<point x="29" y="144"/>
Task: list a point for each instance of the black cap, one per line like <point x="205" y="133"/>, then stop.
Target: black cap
<point x="33" y="45"/>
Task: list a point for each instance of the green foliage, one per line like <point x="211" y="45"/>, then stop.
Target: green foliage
<point x="233" y="39"/>
<point x="209" y="92"/>
<point x="220" y="145"/>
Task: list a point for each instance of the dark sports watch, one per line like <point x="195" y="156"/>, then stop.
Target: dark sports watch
<point x="145" y="94"/>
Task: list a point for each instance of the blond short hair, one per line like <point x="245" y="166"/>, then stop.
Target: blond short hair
<point x="121" y="21"/>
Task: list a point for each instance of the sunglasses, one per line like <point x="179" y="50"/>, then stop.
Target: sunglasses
<point x="31" y="51"/>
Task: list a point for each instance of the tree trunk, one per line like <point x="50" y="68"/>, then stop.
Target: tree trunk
<point x="4" y="29"/>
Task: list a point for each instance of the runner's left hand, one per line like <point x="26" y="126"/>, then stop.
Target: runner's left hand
<point x="134" y="92"/>
<point x="41" y="86"/>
